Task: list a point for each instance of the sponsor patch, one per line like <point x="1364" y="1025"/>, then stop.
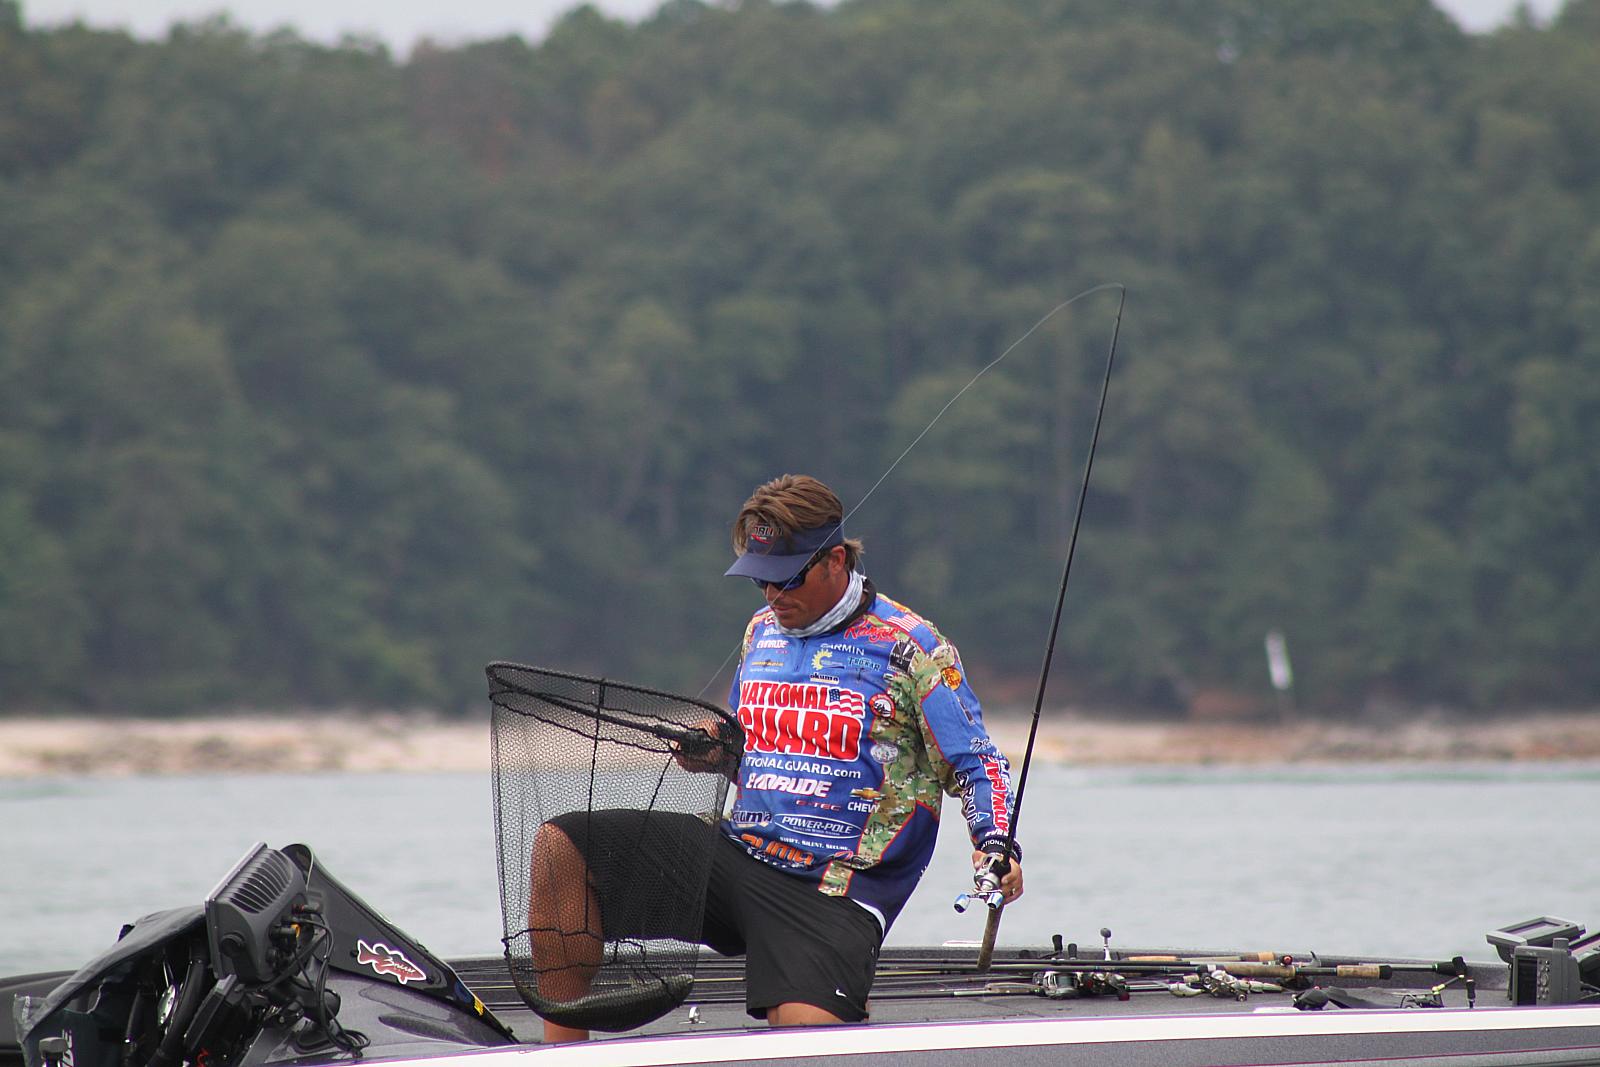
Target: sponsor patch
<point x="952" y="677"/>
<point x="866" y="794"/>
<point x="819" y="662"/>
<point x="800" y="766"/>
<point x="868" y="630"/>
<point x="882" y="705"/>
<point x="817" y="826"/>
<point x="773" y="642"/>
<point x="885" y="751"/>
<point x="999" y="792"/>
<point x="804" y="718"/>
<point x="901" y="655"/>
<point x="787" y="783"/>
<point x="387" y="961"/>
<point x="777" y="850"/>
<point x="763" y="534"/>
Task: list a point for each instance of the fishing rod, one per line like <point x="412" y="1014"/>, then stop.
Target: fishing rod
<point x="1239" y="969"/>
<point x="987" y="880"/>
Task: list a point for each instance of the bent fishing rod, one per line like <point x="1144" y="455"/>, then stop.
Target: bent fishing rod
<point x="915" y="441"/>
<point x="987" y="880"/>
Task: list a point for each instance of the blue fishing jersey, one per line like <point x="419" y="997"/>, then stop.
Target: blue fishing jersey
<point x="851" y="740"/>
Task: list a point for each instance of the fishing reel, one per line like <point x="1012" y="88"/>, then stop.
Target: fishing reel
<point x="986" y="879"/>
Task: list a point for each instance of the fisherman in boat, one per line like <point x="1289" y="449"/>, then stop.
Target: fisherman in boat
<point x="857" y="716"/>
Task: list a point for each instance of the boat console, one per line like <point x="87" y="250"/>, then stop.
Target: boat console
<point x="280" y="963"/>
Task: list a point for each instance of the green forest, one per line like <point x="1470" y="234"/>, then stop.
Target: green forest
<point x="328" y="376"/>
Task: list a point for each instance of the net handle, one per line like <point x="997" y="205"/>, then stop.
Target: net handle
<point x="693" y="741"/>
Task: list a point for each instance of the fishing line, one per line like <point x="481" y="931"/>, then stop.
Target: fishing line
<point x="988" y="882"/>
<point x="939" y="415"/>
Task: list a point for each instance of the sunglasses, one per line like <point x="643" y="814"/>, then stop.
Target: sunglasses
<point x="800" y="576"/>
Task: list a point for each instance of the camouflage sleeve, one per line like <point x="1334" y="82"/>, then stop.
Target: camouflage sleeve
<point x="959" y="748"/>
<point x="744" y="652"/>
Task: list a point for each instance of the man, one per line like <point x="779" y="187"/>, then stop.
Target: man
<point x="857" y="715"/>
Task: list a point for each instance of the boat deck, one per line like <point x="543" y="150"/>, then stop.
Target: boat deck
<point x="930" y="1008"/>
<point x="1402" y="1020"/>
<point x="919" y="985"/>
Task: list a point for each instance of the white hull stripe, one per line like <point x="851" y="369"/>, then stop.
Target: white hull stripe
<point x="968" y="1034"/>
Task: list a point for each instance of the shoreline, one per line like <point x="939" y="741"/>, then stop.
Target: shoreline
<point x="364" y="742"/>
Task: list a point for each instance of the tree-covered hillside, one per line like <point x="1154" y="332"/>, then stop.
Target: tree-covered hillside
<point x="327" y="376"/>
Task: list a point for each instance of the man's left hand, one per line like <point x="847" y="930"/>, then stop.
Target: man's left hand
<point x="712" y="757"/>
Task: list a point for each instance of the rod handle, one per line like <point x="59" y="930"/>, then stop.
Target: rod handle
<point x="991" y="930"/>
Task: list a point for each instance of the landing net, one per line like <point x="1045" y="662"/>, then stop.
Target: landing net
<point x="603" y="840"/>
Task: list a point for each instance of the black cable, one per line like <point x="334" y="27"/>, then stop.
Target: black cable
<point x="351" y="1041"/>
<point x="991" y="930"/>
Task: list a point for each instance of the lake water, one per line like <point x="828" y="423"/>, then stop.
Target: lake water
<point x="1413" y="860"/>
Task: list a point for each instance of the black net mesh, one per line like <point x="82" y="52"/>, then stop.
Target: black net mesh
<point x="604" y="840"/>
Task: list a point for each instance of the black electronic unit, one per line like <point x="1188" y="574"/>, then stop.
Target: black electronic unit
<point x="1544" y="975"/>
<point x="1541" y="932"/>
<point x="1587" y="953"/>
<point x="249" y="926"/>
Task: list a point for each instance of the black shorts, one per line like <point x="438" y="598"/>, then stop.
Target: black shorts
<point x="800" y="945"/>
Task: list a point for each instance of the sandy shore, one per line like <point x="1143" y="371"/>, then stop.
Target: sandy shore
<point x="357" y="742"/>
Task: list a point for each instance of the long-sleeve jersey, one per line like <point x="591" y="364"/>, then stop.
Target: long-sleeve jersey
<point x="851" y="737"/>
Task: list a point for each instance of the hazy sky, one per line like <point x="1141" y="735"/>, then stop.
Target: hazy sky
<point x="401" y="22"/>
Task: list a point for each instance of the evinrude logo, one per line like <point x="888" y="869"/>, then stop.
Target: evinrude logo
<point x="387" y="961"/>
<point x="804" y="718"/>
<point x="784" y="783"/>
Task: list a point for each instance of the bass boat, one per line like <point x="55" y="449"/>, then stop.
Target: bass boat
<point x="283" y="964"/>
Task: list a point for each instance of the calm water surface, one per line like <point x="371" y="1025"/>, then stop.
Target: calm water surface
<point x="1417" y="860"/>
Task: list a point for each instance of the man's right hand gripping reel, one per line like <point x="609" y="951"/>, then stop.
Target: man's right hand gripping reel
<point x="986" y="877"/>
